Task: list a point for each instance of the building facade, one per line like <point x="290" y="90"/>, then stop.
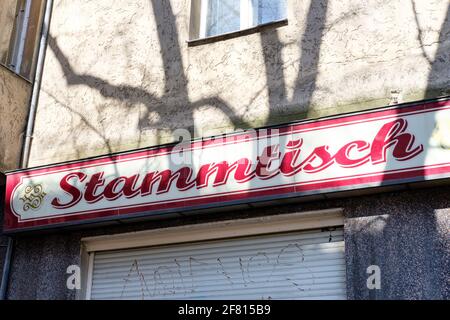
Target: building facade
<point x="118" y="77"/>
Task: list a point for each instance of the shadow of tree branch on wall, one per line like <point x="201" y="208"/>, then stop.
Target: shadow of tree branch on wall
<point x="310" y="46"/>
<point x="175" y="84"/>
<point x="439" y="76"/>
<point x="420" y="33"/>
<point x="175" y="95"/>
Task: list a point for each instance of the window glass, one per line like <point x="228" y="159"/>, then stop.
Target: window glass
<point x="268" y="10"/>
<point x="223" y="16"/>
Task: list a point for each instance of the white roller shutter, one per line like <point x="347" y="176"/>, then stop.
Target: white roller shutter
<point x="300" y="265"/>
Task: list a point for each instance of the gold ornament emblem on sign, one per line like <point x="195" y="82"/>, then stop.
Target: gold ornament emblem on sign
<point x="33" y="197"/>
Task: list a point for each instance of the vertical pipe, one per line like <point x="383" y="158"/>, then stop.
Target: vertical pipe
<point x="36" y="84"/>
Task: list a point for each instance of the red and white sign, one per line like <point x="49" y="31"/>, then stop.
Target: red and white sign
<point x="386" y="146"/>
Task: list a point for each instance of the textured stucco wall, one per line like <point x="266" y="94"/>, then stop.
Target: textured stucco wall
<point x="14" y="98"/>
<point x="406" y="233"/>
<point x="121" y="75"/>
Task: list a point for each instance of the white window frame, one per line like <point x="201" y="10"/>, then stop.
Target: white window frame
<point x="202" y="232"/>
<point x="203" y="17"/>
<point x="246" y="14"/>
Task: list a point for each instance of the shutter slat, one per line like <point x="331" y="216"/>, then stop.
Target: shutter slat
<point x="238" y="280"/>
<point x="181" y="252"/>
<point x="336" y="236"/>
<point x="222" y="286"/>
<point x="227" y="266"/>
<point x="207" y="261"/>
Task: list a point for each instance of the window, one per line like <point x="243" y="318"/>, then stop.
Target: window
<point x="19" y="36"/>
<point x="215" y="17"/>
